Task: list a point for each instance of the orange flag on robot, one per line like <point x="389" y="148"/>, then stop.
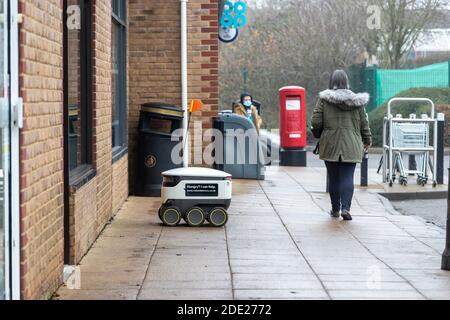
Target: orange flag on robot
<point x="195" y="105"/>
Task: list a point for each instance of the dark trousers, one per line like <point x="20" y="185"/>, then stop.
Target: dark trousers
<point x="341" y="185"/>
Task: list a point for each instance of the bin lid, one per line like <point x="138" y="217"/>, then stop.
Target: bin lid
<point x="232" y="120"/>
<point x="162" y="109"/>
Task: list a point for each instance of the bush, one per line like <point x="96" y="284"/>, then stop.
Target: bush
<point x="440" y="97"/>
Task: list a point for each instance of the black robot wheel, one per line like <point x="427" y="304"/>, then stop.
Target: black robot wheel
<point x="195" y="216"/>
<point x="159" y="212"/>
<point x="218" y="217"/>
<point x="170" y="216"/>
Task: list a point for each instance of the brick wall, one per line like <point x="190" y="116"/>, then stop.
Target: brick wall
<point x="83" y="220"/>
<point x="41" y="151"/>
<point x="102" y="108"/>
<point x="41" y="182"/>
<point x="154" y="75"/>
<point x="91" y="205"/>
<point x="154" y="59"/>
<point x="119" y="183"/>
<point x="203" y="67"/>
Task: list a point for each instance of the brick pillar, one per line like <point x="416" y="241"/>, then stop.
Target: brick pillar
<point x="41" y="148"/>
<point x="203" y="73"/>
<point x="154" y="59"/>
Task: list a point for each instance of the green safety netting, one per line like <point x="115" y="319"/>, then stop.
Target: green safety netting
<point x="391" y="82"/>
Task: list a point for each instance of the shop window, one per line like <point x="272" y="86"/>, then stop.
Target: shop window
<point x="118" y="78"/>
<point x="78" y="86"/>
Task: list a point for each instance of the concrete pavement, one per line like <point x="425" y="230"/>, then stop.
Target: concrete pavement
<point x="279" y="243"/>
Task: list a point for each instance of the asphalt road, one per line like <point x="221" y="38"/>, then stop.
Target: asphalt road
<point x="434" y="211"/>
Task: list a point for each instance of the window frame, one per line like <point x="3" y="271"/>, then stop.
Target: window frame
<point x="119" y="120"/>
<point x="84" y="171"/>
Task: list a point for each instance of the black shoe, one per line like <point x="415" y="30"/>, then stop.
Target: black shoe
<point x="335" y="214"/>
<point x="346" y="215"/>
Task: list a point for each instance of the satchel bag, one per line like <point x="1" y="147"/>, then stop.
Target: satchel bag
<point x="317" y="149"/>
<point x="316" y="132"/>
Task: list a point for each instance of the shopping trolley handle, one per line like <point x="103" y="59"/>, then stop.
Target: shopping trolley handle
<point x="411" y="100"/>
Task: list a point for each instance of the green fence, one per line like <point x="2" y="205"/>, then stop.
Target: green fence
<point x="383" y="84"/>
<point x="363" y="79"/>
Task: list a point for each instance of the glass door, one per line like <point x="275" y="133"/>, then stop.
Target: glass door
<point x="5" y="152"/>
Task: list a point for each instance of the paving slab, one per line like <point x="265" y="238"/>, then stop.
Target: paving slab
<point x="183" y="284"/>
<point x="375" y="295"/>
<point x="110" y="294"/>
<point x="185" y="294"/>
<point x="283" y="294"/>
<point x="279" y="243"/>
<point x="187" y="276"/>
<point x="253" y="284"/>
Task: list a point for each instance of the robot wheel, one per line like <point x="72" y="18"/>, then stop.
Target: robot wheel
<point x="218" y="217"/>
<point x="195" y="217"/>
<point x="170" y="216"/>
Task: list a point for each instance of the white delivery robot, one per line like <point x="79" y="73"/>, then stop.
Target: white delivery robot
<point x="195" y="195"/>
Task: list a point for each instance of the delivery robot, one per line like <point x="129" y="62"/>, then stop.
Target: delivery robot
<point x="195" y="195"/>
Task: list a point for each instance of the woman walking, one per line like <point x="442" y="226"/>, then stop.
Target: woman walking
<point x="342" y="122"/>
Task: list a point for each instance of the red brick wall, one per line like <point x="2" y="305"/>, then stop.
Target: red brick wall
<point x="154" y="58"/>
<point x="154" y="61"/>
<point x="41" y="150"/>
<point x="203" y="68"/>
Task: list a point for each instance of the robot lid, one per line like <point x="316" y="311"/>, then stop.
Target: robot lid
<point x="197" y="173"/>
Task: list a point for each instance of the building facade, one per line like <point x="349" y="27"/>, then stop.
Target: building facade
<point x="84" y="67"/>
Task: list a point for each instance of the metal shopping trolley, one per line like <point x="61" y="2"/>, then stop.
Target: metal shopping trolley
<point x="409" y="136"/>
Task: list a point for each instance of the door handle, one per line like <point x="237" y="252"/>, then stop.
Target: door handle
<point x="17" y="113"/>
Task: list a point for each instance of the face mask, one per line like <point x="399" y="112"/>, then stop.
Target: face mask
<point x="247" y="104"/>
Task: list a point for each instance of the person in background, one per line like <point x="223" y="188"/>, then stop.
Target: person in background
<point x="246" y="109"/>
<point x="343" y="126"/>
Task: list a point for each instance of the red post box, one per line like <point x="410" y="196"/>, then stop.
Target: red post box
<point x="293" y="132"/>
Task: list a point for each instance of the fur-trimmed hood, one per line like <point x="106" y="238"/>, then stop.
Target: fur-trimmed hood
<point x="345" y="99"/>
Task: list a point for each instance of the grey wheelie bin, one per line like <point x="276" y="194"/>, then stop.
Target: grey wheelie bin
<point x="239" y="153"/>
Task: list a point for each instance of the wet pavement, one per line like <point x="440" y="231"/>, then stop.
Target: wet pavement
<point x="279" y="243"/>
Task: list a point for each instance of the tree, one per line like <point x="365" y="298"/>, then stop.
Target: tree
<point x="301" y="42"/>
<point x="402" y="23"/>
<point x="292" y="42"/>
